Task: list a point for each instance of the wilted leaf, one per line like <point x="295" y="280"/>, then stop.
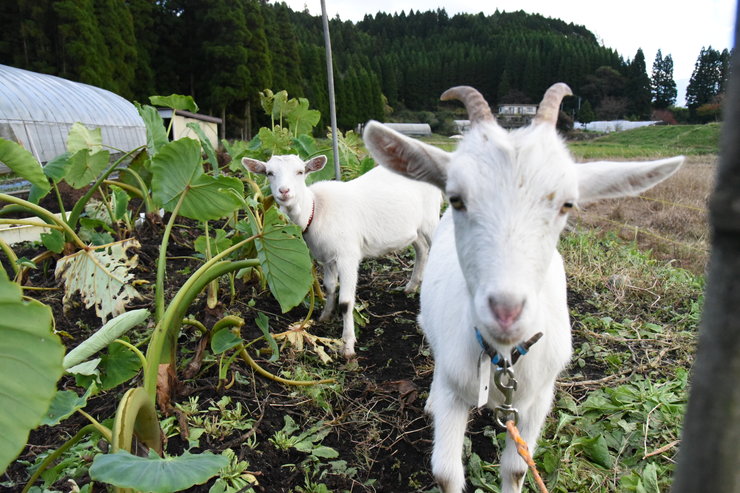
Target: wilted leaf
<point x="297" y="334"/>
<point x="31" y="363"/>
<point x="101" y="276"/>
<point x="156" y="474"/>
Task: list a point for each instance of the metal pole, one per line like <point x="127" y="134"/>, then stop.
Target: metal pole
<point x="330" y="80"/>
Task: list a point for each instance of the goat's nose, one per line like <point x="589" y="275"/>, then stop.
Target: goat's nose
<point x="284" y="190"/>
<point x="506" y="309"/>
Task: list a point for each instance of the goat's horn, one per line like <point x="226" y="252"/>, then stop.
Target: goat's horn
<point x="478" y="109"/>
<point x="550" y="105"/>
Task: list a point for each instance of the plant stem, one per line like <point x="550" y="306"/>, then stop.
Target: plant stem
<point x="26" y="222"/>
<point x="74" y="215"/>
<point x="172" y="318"/>
<point x="12" y="257"/>
<point x="248" y="359"/>
<point x="46" y="216"/>
<point x="86" y="430"/>
<point x="133" y="348"/>
<point x="161" y="262"/>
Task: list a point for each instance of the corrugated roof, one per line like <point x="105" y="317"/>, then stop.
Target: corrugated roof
<point x="37" y="111"/>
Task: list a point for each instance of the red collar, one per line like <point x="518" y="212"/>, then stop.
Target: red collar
<point x="310" y="218"/>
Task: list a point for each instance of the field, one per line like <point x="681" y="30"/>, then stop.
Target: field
<point x="635" y="271"/>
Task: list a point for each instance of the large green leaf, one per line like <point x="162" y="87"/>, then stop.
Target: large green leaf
<point x="30" y="363"/>
<point x="156" y="474"/>
<point x="285" y="260"/>
<point x="118" y="366"/>
<point x="301" y="119"/>
<point x="65" y="403"/>
<point x="80" y="138"/>
<point x="175" y="101"/>
<point x="22" y="163"/>
<point x="85" y="167"/>
<point x="156" y="133"/>
<point x="177" y="170"/>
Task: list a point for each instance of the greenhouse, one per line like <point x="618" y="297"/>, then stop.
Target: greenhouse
<point x="37" y="111"/>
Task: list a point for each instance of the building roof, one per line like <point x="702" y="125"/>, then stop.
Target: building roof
<point x="37" y="111"/>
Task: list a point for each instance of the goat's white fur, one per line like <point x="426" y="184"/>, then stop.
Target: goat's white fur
<point x="500" y="251"/>
<point x="370" y="216"/>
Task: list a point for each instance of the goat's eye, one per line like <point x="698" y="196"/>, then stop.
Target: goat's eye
<point x="566" y="207"/>
<point x="457" y="203"/>
<point x="269" y="173"/>
<point x="299" y="172"/>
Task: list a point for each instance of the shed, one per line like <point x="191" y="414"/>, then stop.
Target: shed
<point x="37" y="111"/>
<point x="419" y="129"/>
<point x="180" y="129"/>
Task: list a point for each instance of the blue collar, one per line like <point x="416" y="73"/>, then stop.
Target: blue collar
<point x="519" y="350"/>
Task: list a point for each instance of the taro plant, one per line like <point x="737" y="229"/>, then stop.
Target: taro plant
<point x="170" y="176"/>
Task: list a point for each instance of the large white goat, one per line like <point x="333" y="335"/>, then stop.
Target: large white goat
<point x="345" y="222"/>
<point x="494" y="277"/>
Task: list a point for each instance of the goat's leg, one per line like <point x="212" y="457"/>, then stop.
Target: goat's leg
<point x="347" y="286"/>
<point x="531" y="419"/>
<point x="421" y="250"/>
<point x="450" y="420"/>
<point x="330" y="286"/>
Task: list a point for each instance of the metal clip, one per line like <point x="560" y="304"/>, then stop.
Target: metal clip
<point x="505" y="411"/>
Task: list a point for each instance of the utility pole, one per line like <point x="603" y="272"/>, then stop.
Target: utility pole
<point x="330" y="80"/>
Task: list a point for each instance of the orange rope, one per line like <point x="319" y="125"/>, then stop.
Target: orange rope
<point x="523" y="450"/>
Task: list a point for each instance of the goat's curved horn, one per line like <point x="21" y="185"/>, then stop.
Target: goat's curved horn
<point x="550" y="105"/>
<point x="478" y="109"/>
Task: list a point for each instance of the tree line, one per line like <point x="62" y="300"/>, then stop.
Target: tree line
<point x="223" y="52"/>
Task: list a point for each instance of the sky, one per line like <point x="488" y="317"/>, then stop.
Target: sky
<point x="680" y="28"/>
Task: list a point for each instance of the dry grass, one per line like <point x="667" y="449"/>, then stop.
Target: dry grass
<point x="670" y="219"/>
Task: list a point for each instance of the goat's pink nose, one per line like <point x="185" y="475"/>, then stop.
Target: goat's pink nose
<point x="284" y="190"/>
<point x="506" y="310"/>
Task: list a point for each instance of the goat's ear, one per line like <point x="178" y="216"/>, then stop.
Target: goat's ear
<point x="604" y="179"/>
<point x="406" y="156"/>
<point x="315" y="163"/>
<point x="254" y="165"/>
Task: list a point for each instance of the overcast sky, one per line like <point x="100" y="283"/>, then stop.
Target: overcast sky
<point x="679" y="28"/>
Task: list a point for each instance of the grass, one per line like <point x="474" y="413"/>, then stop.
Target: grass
<point x="651" y="142"/>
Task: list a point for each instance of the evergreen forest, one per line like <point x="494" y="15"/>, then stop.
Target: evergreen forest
<point x="223" y="52"/>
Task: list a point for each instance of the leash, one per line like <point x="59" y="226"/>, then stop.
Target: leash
<point x="523" y="450"/>
<point x="506" y="415"/>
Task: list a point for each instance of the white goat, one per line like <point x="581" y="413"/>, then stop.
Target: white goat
<point x="345" y="222"/>
<point x="494" y="269"/>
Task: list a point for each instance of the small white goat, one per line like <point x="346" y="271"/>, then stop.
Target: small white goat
<point x="494" y="268"/>
<point x="345" y="222"/>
